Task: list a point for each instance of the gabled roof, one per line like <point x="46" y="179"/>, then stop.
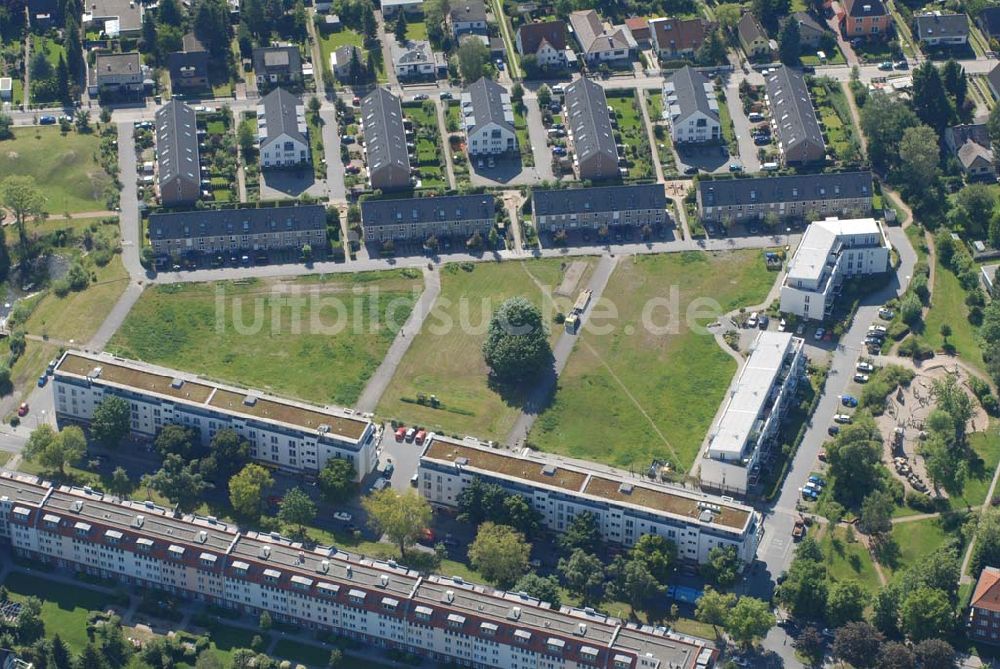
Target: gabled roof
<point x="216" y="222"/>
<point x="686" y="93"/>
<point x="282" y="117"/>
<point x="284" y="59"/>
<point x="533" y="34"/>
<point x="970" y="152"/>
<point x="957" y="135"/>
<point x="807" y="23"/>
<point x="791" y="108"/>
<point x="989" y="20"/>
<point x="860" y="8"/>
<point x="679" y="34"/>
<point x="343" y="55"/>
<point x="385" y="136"/>
<point x="591" y="34"/>
<point x="796" y="188"/>
<point x="987" y="593"/>
<point x="994" y="78"/>
<point x="467" y="11"/>
<point x="599" y="199"/>
<point x="936" y="25"/>
<point x="177" y="143"/>
<point x="118" y="64"/>
<point x="749" y="29"/>
<point x="428" y="209"/>
<point x="588" y="120"/>
<point x="485" y="102"/>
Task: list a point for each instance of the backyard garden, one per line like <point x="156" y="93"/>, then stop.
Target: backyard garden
<point x="633" y="133"/>
<point x="430" y="161"/>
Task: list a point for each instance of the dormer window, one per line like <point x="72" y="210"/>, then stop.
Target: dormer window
<point x="271" y="576"/>
<point x="81" y="529"/>
<point x="489" y="629"/>
<point x="240" y="568"/>
<point x="555" y="645"/>
<point x="176" y="552"/>
<point x="357" y="597"/>
<point x="144" y="544"/>
<point x="113" y="537"/>
<point x="455" y="620"/>
<point x="207" y="560"/>
<point x="390" y="604"/>
<point x="301" y="582"/>
<point x="424" y="613"/>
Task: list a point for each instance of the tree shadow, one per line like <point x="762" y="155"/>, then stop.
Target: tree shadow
<point x="887" y="553"/>
<point x="531" y="395"/>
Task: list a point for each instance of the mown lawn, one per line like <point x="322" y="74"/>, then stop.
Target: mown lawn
<point x="636" y="394"/>
<point x="416" y="30"/>
<point x="913" y="541"/>
<point x="523" y="140"/>
<point x="64" y="607"/>
<point x="429" y="144"/>
<point x="948" y="306"/>
<point x="633" y="131"/>
<point x="65" y="167"/>
<point x="835" y="119"/>
<point x="325" y="354"/>
<point x="446" y="358"/>
<point x="846" y="559"/>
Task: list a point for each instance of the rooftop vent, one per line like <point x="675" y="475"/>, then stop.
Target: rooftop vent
<point x="461" y="462"/>
<point x="323" y="566"/>
<point x="625" y="488"/>
<point x="323" y="428"/>
<point x="581" y="629"/>
<point x="384" y="580"/>
<point x="94" y="373"/>
<point x="176" y="384"/>
<point x="249" y="401"/>
<point x="706" y="516"/>
<point x="139" y="520"/>
<point x="449" y="596"/>
<point x="350" y="572"/>
<point x="515" y="612"/>
<point x="76" y="506"/>
<point x="549" y="470"/>
<point x="202" y="537"/>
<point x="302" y="557"/>
<point x="265" y="552"/>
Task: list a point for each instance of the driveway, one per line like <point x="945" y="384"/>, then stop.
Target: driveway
<point x="748" y="150"/>
<point x="282" y="184"/>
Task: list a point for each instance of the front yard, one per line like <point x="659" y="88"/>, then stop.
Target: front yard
<point x="633" y="133"/>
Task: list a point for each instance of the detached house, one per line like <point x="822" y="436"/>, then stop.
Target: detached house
<point x="811" y="31"/>
<point x="970" y="144"/>
<point x="489" y="119"/>
<point x="989" y="21"/>
<point x="116" y="74"/>
<point x="752" y="37"/>
<point x="341" y="59"/>
<point x="993" y="80"/>
<point x="282" y="130"/>
<point x="188" y="67"/>
<point x="467" y="16"/>
<point x="598" y="44"/>
<point x="984" y="609"/>
<point x="678" y="38"/>
<point x="545" y="41"/>
<point x="417" y="59"/>
<point x="865" y="18"/>
<point x="691" y="106"/>
<point x="939" y="29"/>
<point x="277" y="65"/>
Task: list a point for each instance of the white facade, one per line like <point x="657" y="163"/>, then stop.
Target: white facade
<point x="625" y="507"/>
<point x="381" y="604"/>
<point x="831" y="251"/>
<point x="287" y="435"/>
<point x="751" y="415"/>
<point x="492" y="139"/>
<point x="284" y="151"/>
<point x="696" y="127"/>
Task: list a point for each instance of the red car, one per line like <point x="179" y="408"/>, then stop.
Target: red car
<point x="421" y="435"/>
<point x="23" y="409"/>
<point x="400" y="433"/>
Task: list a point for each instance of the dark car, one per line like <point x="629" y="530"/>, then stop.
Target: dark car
<point x="690" y="170"/>
<point x="833" y="430"/>
<point x="47" y="120"/>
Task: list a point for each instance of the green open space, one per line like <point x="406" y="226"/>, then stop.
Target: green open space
<point x="416" y="30"/>
<point x="664" y="145"/>
<point x="523" y="140"/>
<point x="948" y="307"/>
<point x="446" y="358"/>
<point x="636" y="393"/>
<point x="633" y="131"/>
<point x="846" y="557"/>
<point x="64" y="606"/>
<point x="726" y="121"/>
<point x="331" y="41"/>
<point x="317" y="338"/>
<point x="914" y="540"/>
<point x="835" y="119"/>
<point x="48" y="46"/>
<point x="65" y="167"/>
<point x="430" y="154"/>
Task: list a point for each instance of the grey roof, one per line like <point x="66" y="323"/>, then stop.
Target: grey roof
<point x="791" y="108"/>
<point x="808" y="23"/>
<point x="749" y="29"/>
<point x="686" y="93"/>
<point x="118" y="64"/>
<point x="989" y="20"/>
<point x="994" y="79"/>
<point x="862" y="8"/>
<point x="427" y="209"/>
<point x="385" y="136"/>
<point x="127" y="12"/>
<point x="765" y="190"/>
<point x="588" y="119"/>
<point x="413" y="53"/>
<point x="957" y="135"/>
<point x="468" y="11"/>
<point x="284" y="59"/>
<point x="177" y="143"/>
<point x="192" y="56"/>
<point x="343" y="55"/>
<point x="942" y="25"/>
<point x="484" y="102"/>
<point x="969" y="152"/>
<point x="215" y="222"/>
<point x="601" y="198"/>
<point x="281" y="117"/>
<point x="592" y="36"/>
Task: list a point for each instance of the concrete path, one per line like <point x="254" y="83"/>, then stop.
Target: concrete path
<point x="335" y="173"/>
<point x="536" y="133"/>
<point x="542" y="393"/>
<point x="446" y="146"/>
<point x="386" y="39"/>
<point x="650" y="135"/>
<point x="116" y="317"/>
<point x="741" y="125"/>
<point x="128" y="218"/>
<point x="383" y="375"/>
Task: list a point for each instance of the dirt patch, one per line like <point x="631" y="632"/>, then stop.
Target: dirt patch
<point x="571" y="278"/>
<point x="13" y="155"/>
<point x="902" y="424"/>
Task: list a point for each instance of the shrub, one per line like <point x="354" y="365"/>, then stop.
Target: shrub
<point x="916" y="349"/>
<point x="919" y="501"/>
<point x="60" y="287"/>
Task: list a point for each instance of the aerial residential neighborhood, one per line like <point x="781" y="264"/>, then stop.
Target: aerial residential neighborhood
<point x="526" y="334"/>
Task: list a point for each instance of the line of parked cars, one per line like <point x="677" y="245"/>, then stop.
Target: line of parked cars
<point x="411" y="435"/>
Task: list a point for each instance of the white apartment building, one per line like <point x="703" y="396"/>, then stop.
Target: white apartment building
<point x="282" y="433"/>
<point x="381" y="604"/>
<point x="831" y="251"/>
<point x="751" y="415"/>
<point x="626" y="507"/>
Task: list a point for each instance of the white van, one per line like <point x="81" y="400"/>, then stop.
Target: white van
<point x="769" y="167"/>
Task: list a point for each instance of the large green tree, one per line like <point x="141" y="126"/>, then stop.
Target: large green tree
<point x="517" y="344"/>
<point x="247" y="489"/>
<point x="884" y="119"/>
<point x="400" y="516"/>
<point x="22" y="197"/>
<point x="54" y="451"/>
<point x="500" y="554"/>
<point x="926" y="614"/>
<point x="178" y="481"/>
<point x="111" y="421"/>
<point x="583" y="576"/>
<point x="845" y="602"/>
<point x="336" y="480"/>
<point x="930" y="100"/>
<point x="919" y="155"/>
<point x="750" y="619"/>
<point x="854" y="456"/>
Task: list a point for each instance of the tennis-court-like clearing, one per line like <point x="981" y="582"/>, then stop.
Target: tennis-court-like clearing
<point x="636" y="393"/>
<point x="446" y="358"/>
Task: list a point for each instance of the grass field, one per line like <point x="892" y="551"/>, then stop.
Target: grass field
<point x="416" y="30"/>
<point x="916" y="539"/>
<point x="523" y="140"/>
<point x="633" y="131"/>
<point x="948" y="306"/>
<point x="326" y="355"/>
<point x="64" y="607"/>
<point x="448" y="361"/>
<point x="429" y="151"/>
<point x="835" y="119"/>
<point x="631" y="396"/>
<point x="846" y="559"/>
<point x="64" y="166"/>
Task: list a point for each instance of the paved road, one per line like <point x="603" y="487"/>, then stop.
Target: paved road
<point x="748" y="151"/>
<point x="383" y="375"/>
<point x="128" y="218"/>
<point x="537" y="135"/>
<point x="439" y="108"/>
<point x="542" y="393"/>
<point x="335" y="173"/>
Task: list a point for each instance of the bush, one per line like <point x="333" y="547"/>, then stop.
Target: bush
<point x="897" y="330"/>
<point x="919" y="501"/>
<point x="60" y="287"/>
<point x="916" y="349"/>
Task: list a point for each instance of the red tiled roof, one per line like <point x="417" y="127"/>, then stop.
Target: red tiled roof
<point x="987" y="594"/>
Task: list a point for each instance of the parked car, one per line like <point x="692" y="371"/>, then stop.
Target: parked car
<point x="818" y="480"/>
<point x="342" y="516"/>
<point x="558" y="151"/>
<point x="881" y="329"/>
<point x="381" y="484"/>
<point x="885" y="65"/>
<point x="411" y="434"/>
<point x="445" y="95"/>
<point x="819" y="334"/>
<point x="752" y="321"/>
<point x="690" y="170"/>
<point x="866" y="367"/>
<point x="420" y="96"/>
<point x="782" y="325"/>
<point x="833" y="430"/>
<point x="42" y="380"/>
<point x="400" y="433"/>
<point x="735" y="167"/>
<point x="388" y="470"/>
<point x="849" y="401"/>
<point x="755" y="117"/>
<point x="421" y="435"/>
<point x="822" y="455"/>
<point x="861" y="378"/>
<point x="23" y="409"/>
<point x="842" y="418"/>
<point x="886" y="314"/>
<point x="763" y="322"/>
<point x="47" y="120"/>
<point x="902" y="65"/>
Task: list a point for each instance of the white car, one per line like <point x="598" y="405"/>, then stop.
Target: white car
<point x="343" y="516"/>
<point x="819" y="334"/>
<point x="752" y="321"/>
<point x="861" y="378"/>
<point x="842" y="418"/>
<point x="865" y="367"/>
<point x="878" y="328"/>
<point x="782" y="325"/>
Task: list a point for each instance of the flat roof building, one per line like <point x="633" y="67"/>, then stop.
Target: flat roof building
<point x="420" y="218"/>
<point x="750" y="417"/>
<point x="626" y="506"/>
<point x="831" y="251"/>
<point x="179" y="168"/>
<point x="379" y="603"/>
<point x="385" y="141"/>
<point x="283" y="433"/>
